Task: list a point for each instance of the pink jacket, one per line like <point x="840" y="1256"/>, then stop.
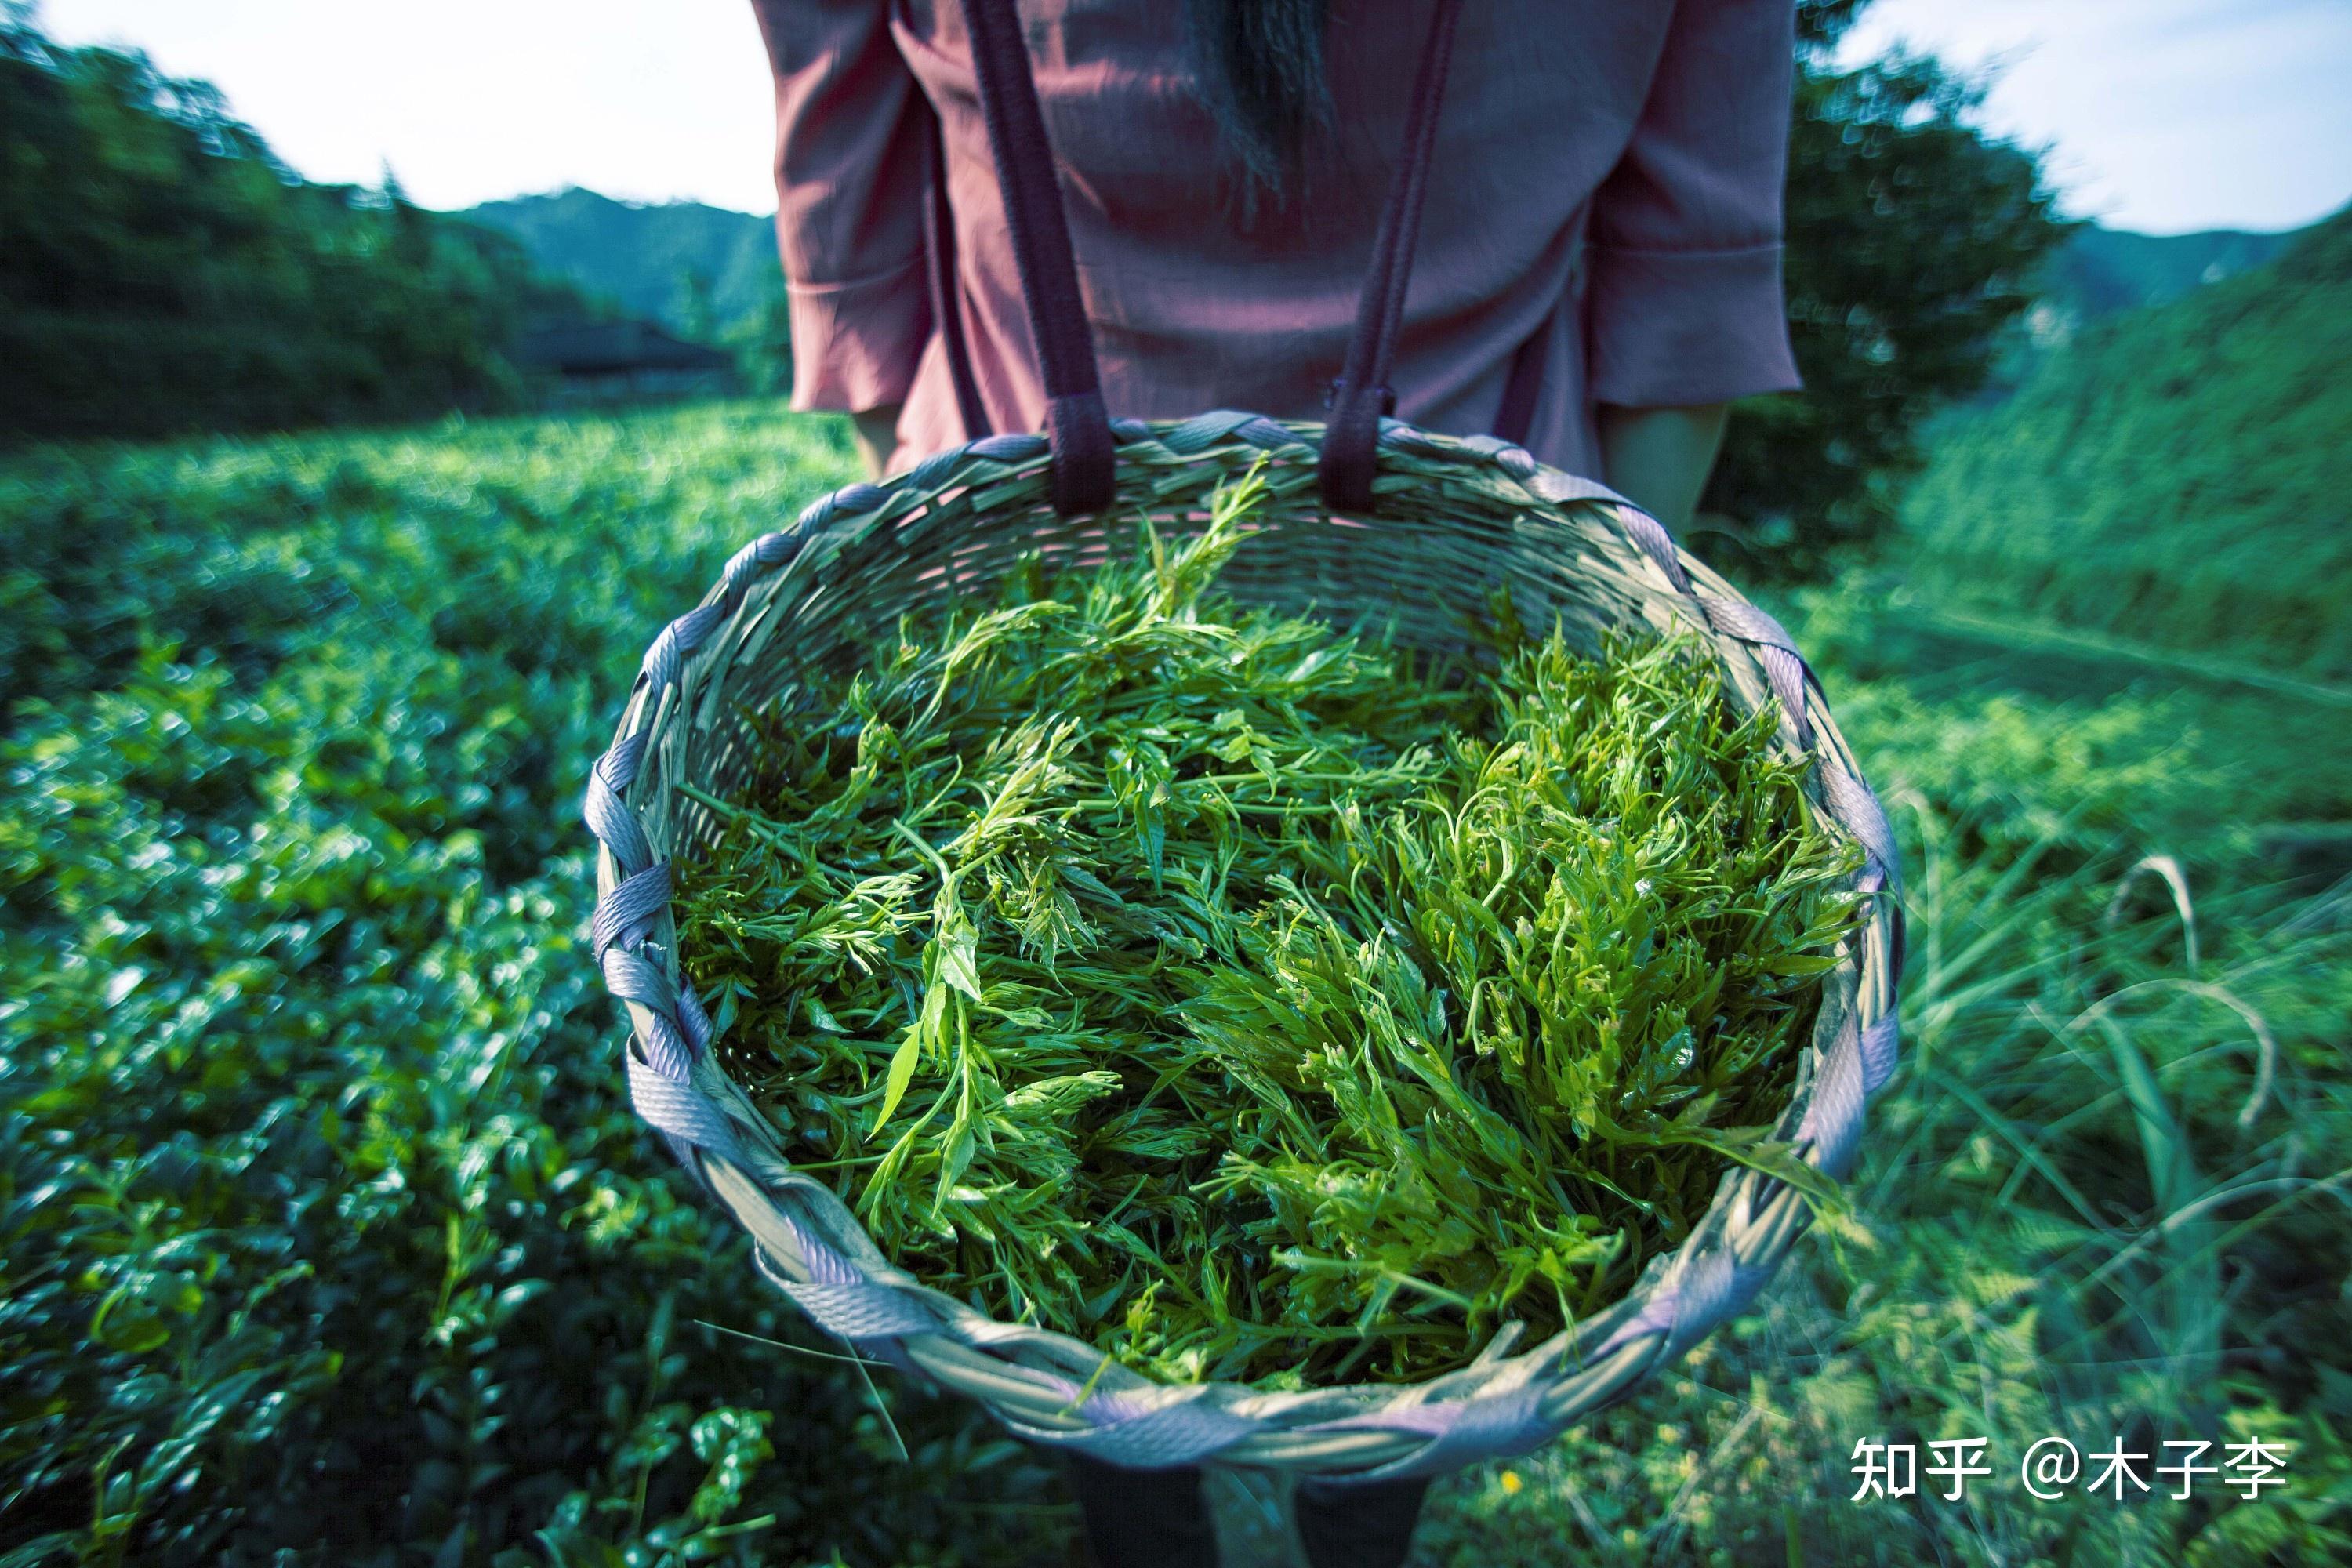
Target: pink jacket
<point x="1608" y="173"/>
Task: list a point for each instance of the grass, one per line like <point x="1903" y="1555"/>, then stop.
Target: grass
<point x="327" y="1231"/>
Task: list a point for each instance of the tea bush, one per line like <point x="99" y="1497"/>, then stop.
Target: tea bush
<point x="329" y="1232"/>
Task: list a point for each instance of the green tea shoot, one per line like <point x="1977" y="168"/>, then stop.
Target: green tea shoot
<point x="1256" y="999"/>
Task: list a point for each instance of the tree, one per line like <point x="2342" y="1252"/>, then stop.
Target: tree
<point x="763" y="340"/>
<point x="161" y="271"/>
<point x="1913" y="241"/>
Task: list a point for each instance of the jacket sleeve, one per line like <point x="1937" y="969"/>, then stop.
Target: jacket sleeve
<point x="1684" y="302"/>
<point x="852" y="156"/>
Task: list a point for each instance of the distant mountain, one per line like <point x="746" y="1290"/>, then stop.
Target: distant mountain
<point x="2176" y="474"/>
<point x="2111" y="270"/>
<point x="2102" y="271"/>
<point x="645" y="258"/>
<point x="651" y="260"/>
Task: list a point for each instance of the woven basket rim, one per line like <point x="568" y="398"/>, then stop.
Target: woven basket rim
<point x="1056" y="1389"/>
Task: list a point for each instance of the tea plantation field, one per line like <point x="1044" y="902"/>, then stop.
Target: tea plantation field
<point x="327" y="1235"/>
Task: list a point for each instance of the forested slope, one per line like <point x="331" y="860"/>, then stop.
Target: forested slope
<point x="161" y="271"/>
<point x="2178" y="476"/>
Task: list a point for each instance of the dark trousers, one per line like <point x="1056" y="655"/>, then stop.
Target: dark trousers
<point x="1157" y="1519"/>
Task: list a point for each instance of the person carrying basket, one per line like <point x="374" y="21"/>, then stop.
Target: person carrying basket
<point x="1597" y="266"/>
<point x="1590" y="230"/>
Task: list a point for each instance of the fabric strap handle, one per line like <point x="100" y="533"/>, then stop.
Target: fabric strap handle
<point x="1076" y="424"/>
<point x="1361" y="395"/>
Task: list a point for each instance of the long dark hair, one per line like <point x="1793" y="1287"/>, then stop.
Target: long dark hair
<point x="1261" y="72"/>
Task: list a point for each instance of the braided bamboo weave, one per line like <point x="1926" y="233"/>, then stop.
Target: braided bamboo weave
<point x="1457" y="518"/>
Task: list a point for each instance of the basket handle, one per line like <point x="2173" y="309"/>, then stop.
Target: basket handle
<point x="1076" y="424"/>
<point x="1361" y="395"/>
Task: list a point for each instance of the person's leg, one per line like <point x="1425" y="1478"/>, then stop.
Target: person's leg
<point x="1365" y="1525"/>
<point x="1143" y="1519"/>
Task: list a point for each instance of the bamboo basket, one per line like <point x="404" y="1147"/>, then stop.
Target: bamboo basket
<point x="1457" y="518"/>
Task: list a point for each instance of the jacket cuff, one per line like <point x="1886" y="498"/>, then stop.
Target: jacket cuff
<point x="855" y="344"/>
<point x="1670" y="329"/>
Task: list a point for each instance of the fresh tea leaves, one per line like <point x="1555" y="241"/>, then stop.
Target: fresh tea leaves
<point x="1257" y="1000"/>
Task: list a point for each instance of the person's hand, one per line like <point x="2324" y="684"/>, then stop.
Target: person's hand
<point x="877" y="436"/>
<point x="1658" y="459"/>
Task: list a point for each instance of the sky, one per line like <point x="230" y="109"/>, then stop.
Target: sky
<point x="468" y="100"/>
<point x="2160" y="115"/>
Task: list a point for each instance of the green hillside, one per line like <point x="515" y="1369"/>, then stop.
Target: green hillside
<point x="2177" y="476"/>
<point x="651" y="260"/>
